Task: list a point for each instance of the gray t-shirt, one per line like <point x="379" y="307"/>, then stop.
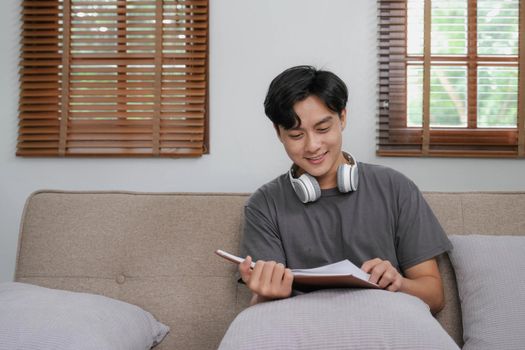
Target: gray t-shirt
<point x="386" y="218"/>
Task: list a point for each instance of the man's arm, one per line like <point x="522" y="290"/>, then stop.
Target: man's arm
<point x="268" y="280"/>
<point x="422" y="280"/>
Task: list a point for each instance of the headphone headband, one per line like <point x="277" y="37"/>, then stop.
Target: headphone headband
<point x="349" y="158"/>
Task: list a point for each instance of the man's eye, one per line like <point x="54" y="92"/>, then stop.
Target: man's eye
<point x="323" y="129"/>
<point x="295" y="136"/>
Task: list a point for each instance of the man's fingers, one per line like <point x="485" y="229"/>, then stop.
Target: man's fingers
<point x="266" y="274"/>
<point x="278" y="273"/>
<point x="245" y="270"/>
<point x="386" y="279"/>
<point x="288" y="279"/>
<point x="370" y="264"/>
<point x="383" y="273"/>
<point x="270" y="280"/>
<point x="282" y="281"/>
<point x="376" y="272"/>
<point x="245" y="265"/>
<point x="256" y="275"/>
<point x="395" y="285"/>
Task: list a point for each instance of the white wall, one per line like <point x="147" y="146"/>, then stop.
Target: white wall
<point x="250" y="42"/>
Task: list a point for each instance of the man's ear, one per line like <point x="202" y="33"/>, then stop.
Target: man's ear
<point x="278" y="131"/>
<point x="342" y="117"/>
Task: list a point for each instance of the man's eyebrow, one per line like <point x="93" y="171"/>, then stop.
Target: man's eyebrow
<point x="324" y="120"/>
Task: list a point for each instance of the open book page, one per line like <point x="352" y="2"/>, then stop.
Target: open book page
<point x="340" y="274"/>
<point x="343" y="267"/>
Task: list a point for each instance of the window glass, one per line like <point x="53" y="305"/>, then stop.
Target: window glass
<point x="498" y="27"/>
<point x="497" y="97"/>
<point x="415" y="25"/>
<point x="415" y="96"/>
<point x="449" y="27"/>
<point x="448" y="96"/>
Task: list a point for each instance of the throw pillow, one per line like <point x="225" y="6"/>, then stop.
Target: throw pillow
<point x="33" y="317"/>
<point x="489" y="274"/>
<point x="338" y="319"/>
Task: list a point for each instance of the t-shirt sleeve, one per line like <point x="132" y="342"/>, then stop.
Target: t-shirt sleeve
<point x="419" y="235"/>
<point x="261" y="239"/>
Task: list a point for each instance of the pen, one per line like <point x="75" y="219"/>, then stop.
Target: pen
<point x="231" y="257"/>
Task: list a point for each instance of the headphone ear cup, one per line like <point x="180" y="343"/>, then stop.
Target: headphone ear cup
<point x="307" y="188"/>
<point x="347" y="178"/>
<point x="312" y="187"/>
<point x="354" y="177"/>
<point x="343" y="178"/>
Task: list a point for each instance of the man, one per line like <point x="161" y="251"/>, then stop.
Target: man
<point x="329" y="207"/>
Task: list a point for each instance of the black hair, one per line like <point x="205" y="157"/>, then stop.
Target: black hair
<point x="298" y="83"/>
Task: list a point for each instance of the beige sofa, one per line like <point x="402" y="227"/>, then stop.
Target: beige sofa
<point x="155" y="250"/>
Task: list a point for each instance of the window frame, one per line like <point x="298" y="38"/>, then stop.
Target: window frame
<point x="395" y="138"/>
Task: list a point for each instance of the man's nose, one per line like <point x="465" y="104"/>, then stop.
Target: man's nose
<point x="313" y="143"/>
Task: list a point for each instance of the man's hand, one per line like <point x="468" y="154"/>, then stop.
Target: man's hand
<point x="384" y="274"/>
<point x="268" y="280"/>
<point x="422" y="280"/>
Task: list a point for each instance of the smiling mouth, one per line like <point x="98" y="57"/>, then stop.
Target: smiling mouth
<point x="316" y="159"/>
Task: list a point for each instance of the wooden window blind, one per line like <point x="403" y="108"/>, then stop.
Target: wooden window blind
<point x="114" y="78"/>
<point x="451" y="78"/>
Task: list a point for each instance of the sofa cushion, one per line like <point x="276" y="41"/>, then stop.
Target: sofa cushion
<point x="338" y="319"/>
<point x="489" y="273"/>
<point x="33" y="317"/>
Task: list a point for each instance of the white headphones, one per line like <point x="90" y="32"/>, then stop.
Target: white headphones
<point x="308" y="190"/>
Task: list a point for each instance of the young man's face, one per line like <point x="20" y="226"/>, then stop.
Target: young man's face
<point x="315" y="145"/>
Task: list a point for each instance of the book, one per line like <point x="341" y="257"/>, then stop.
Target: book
<point x="342" y="274"/>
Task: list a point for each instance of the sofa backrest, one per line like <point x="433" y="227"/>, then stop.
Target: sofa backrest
<point x="155" y="250"/>
<point x="152" y="250"/>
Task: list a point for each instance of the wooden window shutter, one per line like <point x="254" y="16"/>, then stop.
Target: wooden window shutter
<point x="392" y="78"/>
<point x="114" y="78"/>
<point x="475" y="137"/>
